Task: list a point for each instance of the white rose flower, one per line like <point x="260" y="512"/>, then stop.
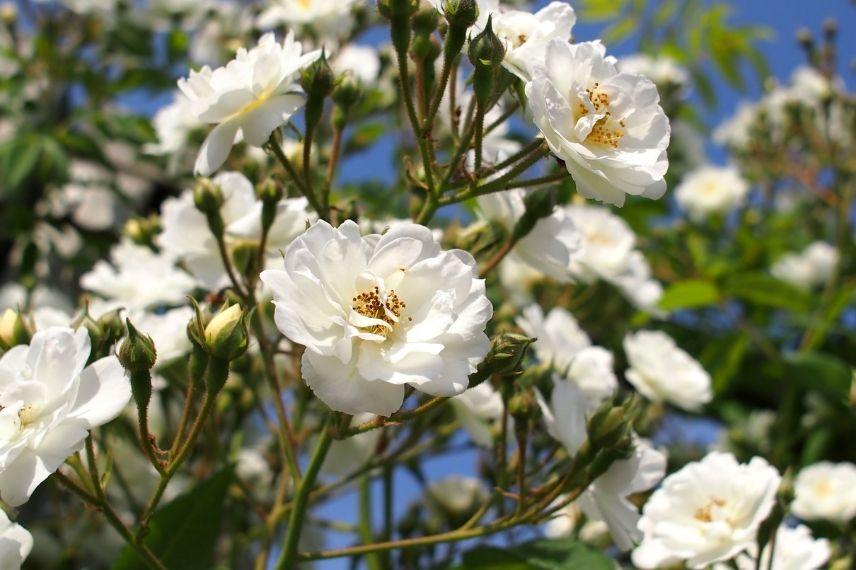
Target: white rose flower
<point x="347" y="455"/>
<point x="330" y="19"/>
<point x="186" y="235"/>
<point x="549" y="247"/>
<point x="661" y="371"/>
<point x="607" y="126"/>
<point x="478" y="409"/>
<point x="711" y="190"/>
<point x="518" y="279"/>
<point x="812" y="267"/>
<point x="736" y="131"/>
<point x="606" y="499"/>
<point x="378" y="312"/>
<point x="795" y="549"/>
<point x="16" y="542"/>
<point x="637" y="284"/>
<point x="563" y="344"/>
<point x="252" y="95"/>
<point x="607" y="243"/>
<point x="563" y="522"/>
<point x="826" y="490"/>
<point x="526" y="35"/>
<point x="707" y="512"/>
<point x="362" y="62"/>
<point x="456" y="495"/>
<point x="89" y="197"/>
<point x="138" y="277"/>
<point x="662" y="70"/>
<point x="49" y="399"/>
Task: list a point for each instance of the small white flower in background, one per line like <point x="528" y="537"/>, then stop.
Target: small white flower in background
<point x="518" y="279"/>
<point x="251" y="96"/>
<point x="347" y="455"/>
<point x="711" y="190"/>
<point x="564" y="345"/>
<point x="606" y="499"/>
<point x="378" y="312"/>
<point x="607" y="126"/>
<point x="607" y="242"/>
<point x="362" y="62"/>
<point x="637" y="284"/>
<point x="707" y="512"/>
<point x="795" y="549"/>
<point x="89" y="197"/>
<point x="138" y="278"/>
<point x="478" y="409"/>
<point x="49" y="399"/>
<point x="16" y="542"/>
<point x="736" y="131"/>
<point x="252" y="467"/>
<point x="549" y="247"/>
<point x="330" y="19"/>
<point x="456" y="495"/>
<point x="563" y="522"/>
<point x="662" y="70"/>
<point x="812" y="267"/>
<point x="186" y="235"/>
<point x="173" y="124"/>
<point x="662" y="371"/>
<point x="827" y="491"/>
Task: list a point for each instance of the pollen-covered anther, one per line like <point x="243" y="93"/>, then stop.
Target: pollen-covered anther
<point x="374" y="305"/>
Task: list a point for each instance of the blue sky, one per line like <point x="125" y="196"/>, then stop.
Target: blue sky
<point x="783" y="18"/>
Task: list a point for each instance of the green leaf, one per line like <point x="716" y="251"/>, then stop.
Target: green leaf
<point x="723" y="358"/>
<point x="821" y="372"/>
<point x="183" y="533"/>
<point x="564" y="554"/>
<point x="766" y="290"/>
<point x="619" y="31"/>
<point x="689" y="294"/>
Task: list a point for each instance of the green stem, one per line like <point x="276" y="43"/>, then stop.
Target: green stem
<point x="276" y="149"/>
<point x="365" y="526"/>
<point x="301" y="500"/>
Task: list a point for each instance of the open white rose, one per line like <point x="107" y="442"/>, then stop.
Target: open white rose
<point x="661" y="371"/>
<point x="250" y="96"/>
<point x="812" y="267"/>
<point x="186" y="235"/>
<point x="795" y="549"/>
<point x="378" y="312"/>
<point x="16" y="542"/>
<point x="331" y="19"/>
<point x="49" y="400"/>
<point x="173" y="124"/>
<point x="826" y="490"/>
<point x="707" y="512"/>
<point x="607" y="126"/>
<point x="563" y="344"/>
<point x="711" y="190"/>
<point x="607" y="243"/>
<point x="606" y="499"/>
<point x="662" y="70"/>
<point x="138" y="278"/>
<point x="549" y="247"/>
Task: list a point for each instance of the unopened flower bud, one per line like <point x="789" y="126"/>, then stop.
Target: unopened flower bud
<point x="317" y="81"/>
<point x="539" y="204"/>
<point x="196" y="325"/>
<point x="13" y="330"/>
<point x="486" y="54"/>
<point x="461" y="13"/>
<point x="522" y="407"/>
<point x="8" y="13"/>
<point x="347" y="91"/>
<point x="830" y="29"/>
<point x="608" y="426"/>
<point x="270" y="194"/>
<point x="425" y="20"/>
<point x="505" y="357"/>
<point x="207" y="196"/>
<point x="226" y="336"/>
<point x="399" y="8"/>
<point x="244" y="255"/>
<point x="137" y="352"/>
<point x="142" y="231"/>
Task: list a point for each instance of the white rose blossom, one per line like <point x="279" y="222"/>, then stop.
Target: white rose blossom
<point x="378" y="312"/>
<point x="173" y="125"/>
<point x="795" y="549"/>
<point x="607" y="243"/>
<point x="331" y="19"/>
<point x="826" y="490"/>
<point x="661" y="371"/>
<point x="550" y="246"/>
<point x="250" y="96"/>
<point x="606" y="125"/>
<point x="711" y="190"/>
<point x="49" y="400"/>
<point x="16" y="542"/>
<point x="812" y="267"/>
<point x="186" y="235"/>
<point x="606" y="499"/>
<point x="662" y="70"/>
<point x="138" y="277"/>
<point x="707" y="512"/>
<point x="564" y="345"/>
<point x="362" y="62"/>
